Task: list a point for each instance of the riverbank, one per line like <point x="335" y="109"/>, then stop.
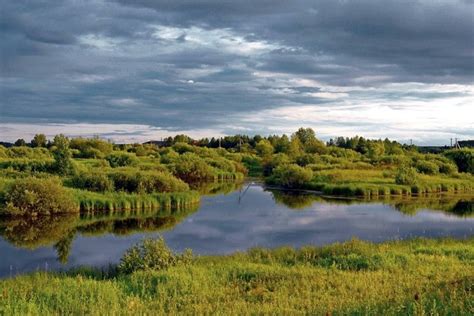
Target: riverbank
<point x="392" y="278"/>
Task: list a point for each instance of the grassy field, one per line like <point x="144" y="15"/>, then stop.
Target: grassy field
<point x="417" y="277"/>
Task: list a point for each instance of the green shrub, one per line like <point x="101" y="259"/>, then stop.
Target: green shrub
<point x="464" y="159"/>
<point x="27" y="165"/>
<point x="91" y="147"/>
<point x="92" y="181"/>
<point x="447" y="168"/>
<point x="33" y="196"/>
<point x="121" y="159"/>
<point x="406" y="175"/>
<point x="146" y="181"/>
<point x="427" y="167"/>
<point x="191" y="168"/>
<point x="27" y="152"/>
<point x="152" y="254"/>
<point x="292" y="176"/>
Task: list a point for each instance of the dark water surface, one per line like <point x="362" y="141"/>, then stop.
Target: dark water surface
<point x="225" y="223"/>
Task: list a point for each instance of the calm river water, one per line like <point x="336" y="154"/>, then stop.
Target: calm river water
<point x="246" y="217"/>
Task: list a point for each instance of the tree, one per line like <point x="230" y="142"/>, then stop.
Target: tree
<point x="39" y="140"/>
<point x="296" y="148"/>
<point x="20" y="142"/>
<point x="282" y="144"/>
<point x="62" y="155"/>
<point x="310" y="143"/>
<point x="264" y="148"/>
<point x="375" y="149"/>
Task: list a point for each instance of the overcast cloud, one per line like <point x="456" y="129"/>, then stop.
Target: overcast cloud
<point x="142" y="69"/>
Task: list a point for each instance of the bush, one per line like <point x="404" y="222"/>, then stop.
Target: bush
<point x="464" y="159"/>
<point x="427" y="167"/>
<point x="152" y="254"/>
<point x="406" y="176"/>
<point x="447" y="168"/>
<point x="292" y="176"/>
<point x="146" y="181"/>
<point x="121" y="159"/>
<point x="92" y="181"/>
<point x="91" y="147"/>
<point x="33" y="196"/>
<point x="191" y="168"/>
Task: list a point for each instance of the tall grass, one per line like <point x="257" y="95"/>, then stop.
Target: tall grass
<point x="418" y="277"/>
<point x="112" y="202"/>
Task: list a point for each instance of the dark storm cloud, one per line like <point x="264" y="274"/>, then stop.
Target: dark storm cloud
<point x="189" y="64"/>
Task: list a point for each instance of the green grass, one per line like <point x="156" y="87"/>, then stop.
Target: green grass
<point x="111" y="202"/>
<point x="377" y="182"/>
<point x="417" y="277"/>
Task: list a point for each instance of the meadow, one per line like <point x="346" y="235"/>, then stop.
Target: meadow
<point x="416" y="277"/>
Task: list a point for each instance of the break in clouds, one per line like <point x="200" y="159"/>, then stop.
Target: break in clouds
<point x="142" y="69"/>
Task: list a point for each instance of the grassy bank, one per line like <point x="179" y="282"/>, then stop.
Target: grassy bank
<point x="396" y="278"/>
<point x="377" y="182"/>
<point x="111" y="202"/>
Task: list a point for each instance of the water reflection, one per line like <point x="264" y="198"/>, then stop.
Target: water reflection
<point x="60" y="231"/>
<point x="231" y="217"/>
<point x="458" y="205"/>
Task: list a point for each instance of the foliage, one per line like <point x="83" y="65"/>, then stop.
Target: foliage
<point x="152" y="254"/>
<point x="406" y="175"/>
<point x="292" y="176"/>
<point x="62" y="155"/>
<point x="190" y="168"/>
<point x="92" y="181"/>
<point x="427" y="167"/>
<point x="464" y="159"/>
<point x="91" y="147"/>
<point x="264" y="148"/>
<point x="33" y="196"/>
<point x="130" y="180"/>
<point x="121" y="159"/>
<point x="39" y="140"/>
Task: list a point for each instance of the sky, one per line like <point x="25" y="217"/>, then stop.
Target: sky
<point x="137" y="70"/>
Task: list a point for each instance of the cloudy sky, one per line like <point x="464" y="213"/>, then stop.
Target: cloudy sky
<point x="134" y="70"/>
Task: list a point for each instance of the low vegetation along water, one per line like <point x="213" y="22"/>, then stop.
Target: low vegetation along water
<point x="235" y="218"/>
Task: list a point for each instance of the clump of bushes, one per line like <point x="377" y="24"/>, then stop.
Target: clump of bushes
<point x="34" y="196"/>
<point x="292" y="176"/>
<point x="427" y="167"/>
<point x="91" y="147"/>
<point x="191" y="168"/>
<point x="152" y="254"/>
<point x="121" y="159"/>
<point x="464" y="159"/>
<point x="92" y="181"/>
<point x="406" y="175"/>
<point x="146" y="181"/>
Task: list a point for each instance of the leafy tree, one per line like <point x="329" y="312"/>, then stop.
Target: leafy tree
<point x="62" y="155"/>
<point x="282" y="144"/>
<point x="39" y="140"/>
<point x="20" y="142"/>
<point x="296" y="147"/>
<point x="375" y="149"/>
<point x="264" y="148"/>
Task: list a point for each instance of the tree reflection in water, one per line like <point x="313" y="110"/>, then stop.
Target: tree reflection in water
<point x="60" y="231"/>
<point x="458" y="205"/>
